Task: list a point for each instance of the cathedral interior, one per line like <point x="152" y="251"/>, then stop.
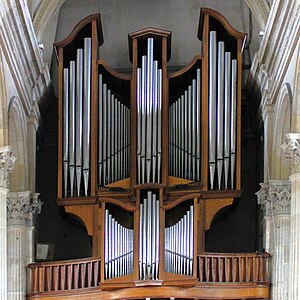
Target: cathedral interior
<point x="149" y="149"/>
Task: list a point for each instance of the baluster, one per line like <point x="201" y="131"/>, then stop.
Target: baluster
<point x="41" y="279"/>
<point x="234" y="269"/>
<point x="207" y="268"/>
<point x="75" y="276"/>
<point x="55" y="278"/>
<point x="227" y="269"/>
<point x="214" y="269"/>
<point x="221" y="268"/>
<point x="62" y="272"/>
<point x="96" y="272"/>
<point x="83" y="275"/>
<point x="69" y="276"/>
<point x="48" y="278"/>
<point x="89" y="274"/>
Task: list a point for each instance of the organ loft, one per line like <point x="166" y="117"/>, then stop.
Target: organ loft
<point x="146" y="160"/>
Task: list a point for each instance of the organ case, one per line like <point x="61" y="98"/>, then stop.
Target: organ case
<point x="146" y="160"/>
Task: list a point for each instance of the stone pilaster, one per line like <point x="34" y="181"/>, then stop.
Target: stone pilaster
<point x="275" y="200"/>
<point x="291" y="150"/>
<point x="23" y="209"/>
<point x="6" y="165"/>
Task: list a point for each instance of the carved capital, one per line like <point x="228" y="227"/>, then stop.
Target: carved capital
<point x="23" y="208"/>
<point x="275" y="197"/>
<point x="291" y="150"/>
<point x="7" y="161"/>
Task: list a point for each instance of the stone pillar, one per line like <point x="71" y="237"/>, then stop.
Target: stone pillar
<point x="291" y="149"/>
<point x="275" y="199"/>
<point x="6" y="165"/>
<point x="22" y="211"/>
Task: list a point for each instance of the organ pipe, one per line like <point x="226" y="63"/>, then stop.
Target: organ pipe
<point x="118" y="248"/>
<point x="79" y="67"/>
<point x="86" y="112"/>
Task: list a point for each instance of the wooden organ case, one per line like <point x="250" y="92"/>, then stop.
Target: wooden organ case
<point x="146" y="160"/>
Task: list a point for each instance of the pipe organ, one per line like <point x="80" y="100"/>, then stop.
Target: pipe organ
<point x="147" y="159"/>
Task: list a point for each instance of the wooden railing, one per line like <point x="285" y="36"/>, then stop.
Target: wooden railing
<point x="232" y="268"/>
<point x="65" y="275"/>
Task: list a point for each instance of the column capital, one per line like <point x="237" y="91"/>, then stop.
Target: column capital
<point x="275" y="197"/>
<point x="7" y="161"/>
<point x="23" y="208"/>
<point x="291" y="150"/>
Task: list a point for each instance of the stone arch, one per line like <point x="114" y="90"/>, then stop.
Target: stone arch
<point x="17" y="137"/>
<point x="3" y="106"/>
<point x="282" y="126"/>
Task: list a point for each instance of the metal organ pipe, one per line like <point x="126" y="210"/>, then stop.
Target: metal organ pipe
<point x="149" y="107"/>
<point x="233" y="119"/>
<point x="227" y="116"/>
<point x="185" y="132"/>
<point x="72" y="126"/>
<point x="114" y="137"/>
<point x="79" y="67"/>
<point x="86" y="112"/>
<point x="66" y="129"/>
<point x="179" y="245"/>
<point x="212" y="105"/>
<point x="118" y="248"/>
<point x="149" y="238"/>
<point x="222" y="114"/>
<point x="220" y="111"/>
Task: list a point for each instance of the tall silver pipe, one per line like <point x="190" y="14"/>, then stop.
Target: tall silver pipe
<point x="144" y="237"/>
<point x="149" y="105"/>
<point x="153" y="236"/>
<point x="108" y="136"/>
<point x="143" y="109"/>
<point x="106" y="246"/>
<point x="86" y="112"/>
<point x="149" y="233"/>
<point x="188" y="245"/>
<point x="159" y="124"/>
<point x="112" y="139"/>
<point x="191" y="238"/>
<point x="72" y="126"/>
<point x="104" y="133"/>
<point x="66" y="129"/>
<point x="227" y="103"/>
<point x="110" y="242"/>
<point x="157" y="240"/>
<point x="79" y="69"/>
<point x="113" y="243"/>
<point x="155" y="115"/>
<point x="220" y="111"/>
<point x="212" y="104"/>
<point x="185" y="124"/>
<point x="100" y="137"/>
<point x="141" y="241"/>
<point x="182" y="113"/>
<point x="233" y="120"/>
<point x="194" y="129"/>
<point x="189" y="123"/>
<point x="198" y="126"/>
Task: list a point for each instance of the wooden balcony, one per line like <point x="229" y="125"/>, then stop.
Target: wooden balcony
<point x="219" y="276"/>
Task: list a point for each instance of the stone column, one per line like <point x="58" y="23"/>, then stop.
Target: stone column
<point x="275" y="199"/>
<point x="291" y="149"/>
<point x="22" y="211"/>
<point x="6" y="165"/>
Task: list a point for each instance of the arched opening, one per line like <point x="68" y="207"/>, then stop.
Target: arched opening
<point x="282" y="126"/>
